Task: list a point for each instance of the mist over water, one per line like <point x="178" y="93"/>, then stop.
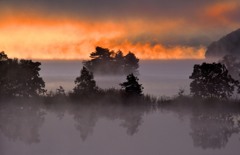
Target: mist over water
<point x="32" y="127"/>
<point x="159" y="77"/>
<point x="60" y="128"/>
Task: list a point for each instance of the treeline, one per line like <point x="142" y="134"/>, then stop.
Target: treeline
<point x="20" y="78"/>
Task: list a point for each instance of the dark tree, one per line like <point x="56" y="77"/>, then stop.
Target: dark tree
<point x="3" y="56"/>
<point x="101" y="53"/>
<point x="85" y="83"/>
<point x="60" y="91"/>
<point x="118" y="63"/>
<point x="20" y="78"/>
<point x="104" y="61"/>
<point x="212" y="80"/>
<point x="131" y="63"/>
<point x="101" y="60"/>
<point x="131" y="86"/>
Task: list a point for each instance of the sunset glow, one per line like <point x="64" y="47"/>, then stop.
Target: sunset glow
<point x="43" y="39"/>
<point x="55" y="34"/>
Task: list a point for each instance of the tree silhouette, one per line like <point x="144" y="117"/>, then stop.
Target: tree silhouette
<point x="101" y="60"/>
<point x="105" y="61"/>
<point x="212" y="80"/>
<point x="60" y="91"/>
<point x="101" y="53"/>
<point x="118" y="63"/>
<point x="3" y="56"/>
<point x="20" y="78"/>
<point x="85" y="83"/>
<point x="131" y="63"/>
<point x="131" y="86"/>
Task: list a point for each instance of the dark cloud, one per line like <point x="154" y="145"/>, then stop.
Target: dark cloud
<point x="110" y="8"/>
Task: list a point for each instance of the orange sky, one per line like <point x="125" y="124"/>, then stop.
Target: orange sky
<point x="37" y="36"/>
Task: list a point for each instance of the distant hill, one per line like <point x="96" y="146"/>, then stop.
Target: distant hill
<point x="227" y="45"/>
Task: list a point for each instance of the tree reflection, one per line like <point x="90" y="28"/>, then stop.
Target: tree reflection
<point x="211" y="126"/>
<point x="212" y="122"/>
<point x="213" y="130"/>
<point x="21" y="121"/>
<point x="132" y="119"/>
<point x="85" y="118"/>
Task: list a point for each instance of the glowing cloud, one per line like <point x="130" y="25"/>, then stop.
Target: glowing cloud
<point x="38" y="38"/>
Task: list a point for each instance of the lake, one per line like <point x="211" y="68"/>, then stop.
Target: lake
<point x="66" y="129"/>
<point x="33" y="128"/>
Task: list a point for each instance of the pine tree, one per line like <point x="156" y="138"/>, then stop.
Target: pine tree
<point x="131" y="64"/>
<point x="85" y="83"/>
<point x="131" y="86"/>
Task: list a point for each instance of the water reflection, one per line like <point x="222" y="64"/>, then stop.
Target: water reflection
<point x="86" y="117"/>
<point x="213" y="130"/>
<point x="22" y="121"/>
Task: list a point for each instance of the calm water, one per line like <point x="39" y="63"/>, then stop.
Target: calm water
<point x="30" y="129"/>
<point x="65" y="129"/>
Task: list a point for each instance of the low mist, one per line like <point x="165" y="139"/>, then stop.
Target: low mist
<point x="162" y="77"/>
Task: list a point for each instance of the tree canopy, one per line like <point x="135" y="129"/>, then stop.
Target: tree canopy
<point x="131" y="86"/>
<point x="105" y="61"/>
<point x="212" y="80"/>
<point x="20" y="77"/>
